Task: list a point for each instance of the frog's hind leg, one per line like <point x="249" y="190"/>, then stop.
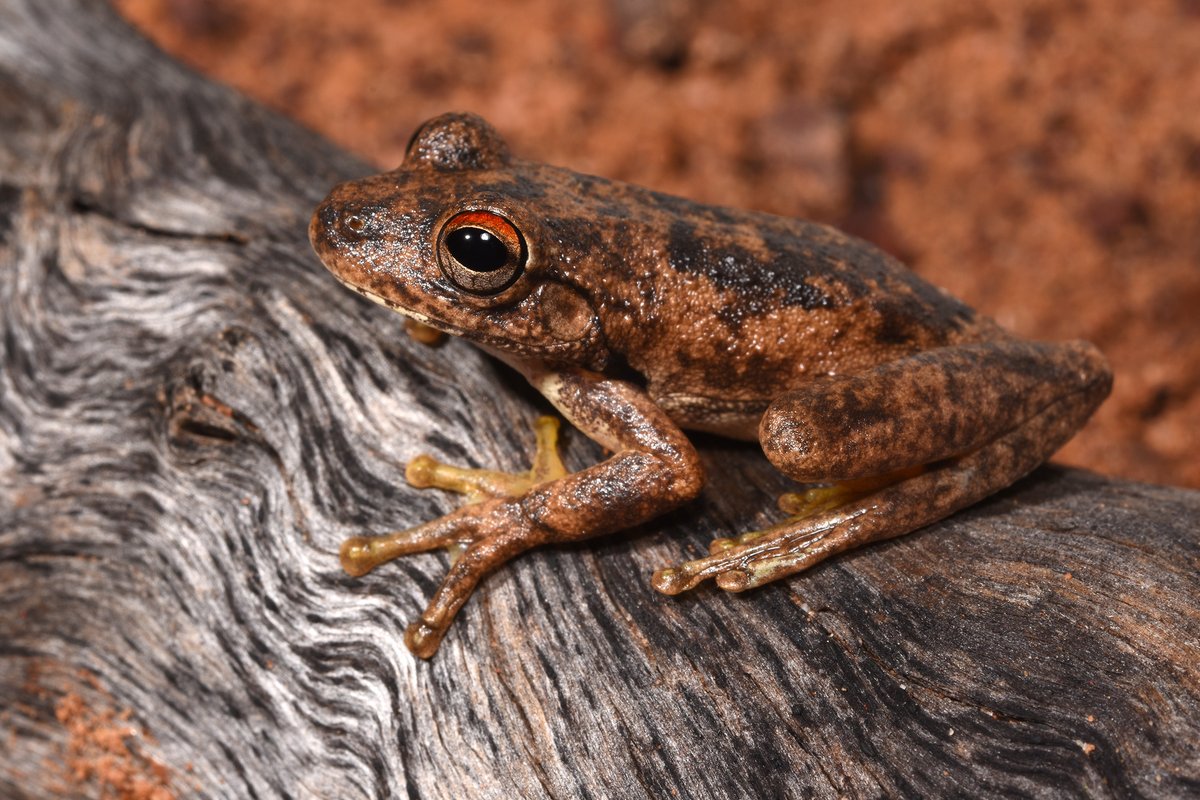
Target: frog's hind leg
<point x="931" y="438"/>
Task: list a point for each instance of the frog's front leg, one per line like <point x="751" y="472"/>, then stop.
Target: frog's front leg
<point x="653" y="469"/>
<point x="906" y="444"/>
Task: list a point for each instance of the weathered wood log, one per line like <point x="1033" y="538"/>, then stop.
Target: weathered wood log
<point x="193" y="416"/>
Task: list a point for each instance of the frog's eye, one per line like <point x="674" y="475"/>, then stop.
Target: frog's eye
<point x="481" y="252"/>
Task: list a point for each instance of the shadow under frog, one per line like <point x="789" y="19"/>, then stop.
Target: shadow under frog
<point x="903" y="404"/>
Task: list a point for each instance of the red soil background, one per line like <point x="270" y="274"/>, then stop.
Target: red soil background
<point x="1038" y="158"/>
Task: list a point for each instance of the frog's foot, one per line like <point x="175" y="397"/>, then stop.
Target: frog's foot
<point x="754" y="557"/>
<point x="480" y="536"/>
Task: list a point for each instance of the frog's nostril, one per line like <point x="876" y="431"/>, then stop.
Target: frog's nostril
<point x="351" y="226"/>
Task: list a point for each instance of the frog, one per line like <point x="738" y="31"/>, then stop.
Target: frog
<point x="640" y="315"/>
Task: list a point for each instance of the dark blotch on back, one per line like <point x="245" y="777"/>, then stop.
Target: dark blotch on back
<point x="730" y="266"/>
<point x="811" y="266"/>
<point x="909" y="308"/>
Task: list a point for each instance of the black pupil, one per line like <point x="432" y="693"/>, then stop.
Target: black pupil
<point x="477" y="249"/>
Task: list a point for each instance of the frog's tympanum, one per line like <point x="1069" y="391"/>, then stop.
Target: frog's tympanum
<point x="639" y="315"/>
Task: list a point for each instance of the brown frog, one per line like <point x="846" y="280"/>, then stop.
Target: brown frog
<point x="638" y="314"/>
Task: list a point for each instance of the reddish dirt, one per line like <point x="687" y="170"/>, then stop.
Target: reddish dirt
<point x="100" y="750"/>
<point x="99" y="755"/>
<point x="1038" y="158"/>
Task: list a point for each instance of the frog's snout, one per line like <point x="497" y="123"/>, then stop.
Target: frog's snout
<point x="333" y="231"/>
<point x="322" y="224"/>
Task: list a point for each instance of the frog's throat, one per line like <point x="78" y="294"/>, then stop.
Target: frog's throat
<point x="383" y="301"/>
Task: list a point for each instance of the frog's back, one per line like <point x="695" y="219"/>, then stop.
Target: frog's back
<point x="731" y="306"/>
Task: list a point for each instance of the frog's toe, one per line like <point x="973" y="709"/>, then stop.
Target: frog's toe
<point x="808" y="502"/>
<point x="361" y="554"/>
<point x="476" y="561"/>
<point x="425" y="472"/>
<point x="750" y="560"/>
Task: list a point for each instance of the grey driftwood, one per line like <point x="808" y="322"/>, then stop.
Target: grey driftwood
<point x="193" y="415"/>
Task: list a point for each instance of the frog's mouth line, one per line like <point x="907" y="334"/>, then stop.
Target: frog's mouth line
<point x="383" y="301"/>
<point x="497" y="346"/>
<point x="453" y="330"/>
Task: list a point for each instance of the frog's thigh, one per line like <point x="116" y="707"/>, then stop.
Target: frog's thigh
<point x="925" y="408"/>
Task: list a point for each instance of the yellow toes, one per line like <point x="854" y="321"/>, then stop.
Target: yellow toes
<point x="421" y="472"/>
<point x="425" y="472"/>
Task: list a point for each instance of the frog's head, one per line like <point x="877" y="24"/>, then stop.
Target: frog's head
<point x="456" y="239"/>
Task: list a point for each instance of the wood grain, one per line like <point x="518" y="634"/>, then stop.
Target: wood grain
<point x="193" y="415"/>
